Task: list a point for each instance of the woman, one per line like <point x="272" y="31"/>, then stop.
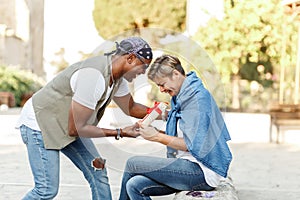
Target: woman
<point x="196" y="138"/>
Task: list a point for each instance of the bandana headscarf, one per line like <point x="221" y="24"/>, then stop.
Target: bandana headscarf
<point x="135" y="45"/>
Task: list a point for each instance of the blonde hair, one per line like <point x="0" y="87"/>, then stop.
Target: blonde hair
<point x="163" y="66"/>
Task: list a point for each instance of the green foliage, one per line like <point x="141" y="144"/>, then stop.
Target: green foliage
<point x="19" y="82"/>
<point x="250" y="32"/>
<point x="253" y="40"/>
<point x="112" y="17"/>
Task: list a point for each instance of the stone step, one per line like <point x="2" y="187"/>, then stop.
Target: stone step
<point x="225" y="191"/>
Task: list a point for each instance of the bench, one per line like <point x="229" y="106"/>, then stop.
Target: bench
<point x="225" y="191"/>
<point x="284" y="117"/>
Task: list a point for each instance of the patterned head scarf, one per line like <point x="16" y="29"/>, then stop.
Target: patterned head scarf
<point x="135" y="45"/>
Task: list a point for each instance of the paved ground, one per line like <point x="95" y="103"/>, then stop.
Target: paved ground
<point x="260" y="170"/>
<point x="263" y="171"/>
<point x="16" y="178"/>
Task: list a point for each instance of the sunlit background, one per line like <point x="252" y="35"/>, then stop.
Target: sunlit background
<point x="253" y="46"/>
<point x="246" y="52"/>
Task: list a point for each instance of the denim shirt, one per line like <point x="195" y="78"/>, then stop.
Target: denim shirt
<point x="202" y="124"/>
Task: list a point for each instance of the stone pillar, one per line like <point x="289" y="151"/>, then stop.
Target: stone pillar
<point x="36" y="36"/>
<point x="2" y="41"/>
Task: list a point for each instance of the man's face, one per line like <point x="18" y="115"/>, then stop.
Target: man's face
<point x="137" y="66"/>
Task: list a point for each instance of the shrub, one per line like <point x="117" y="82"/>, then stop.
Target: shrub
<point x="19" y="82"/>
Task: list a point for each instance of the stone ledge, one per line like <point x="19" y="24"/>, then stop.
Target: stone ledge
<point x="225" y="191"/>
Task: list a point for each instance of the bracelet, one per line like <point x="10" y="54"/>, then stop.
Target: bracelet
<point x="118" y="136"/>
<point x="121" y="133"/>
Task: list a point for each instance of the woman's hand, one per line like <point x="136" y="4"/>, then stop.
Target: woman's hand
<point x="130" y="131"/>
<point x="149" y="132"/>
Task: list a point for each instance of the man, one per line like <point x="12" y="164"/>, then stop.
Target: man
<point x="64" y="114"/>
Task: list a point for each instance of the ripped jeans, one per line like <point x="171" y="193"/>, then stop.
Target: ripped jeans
<point x="45" y="163"/>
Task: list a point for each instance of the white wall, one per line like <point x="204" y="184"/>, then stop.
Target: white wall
<point x="69" y="25"/>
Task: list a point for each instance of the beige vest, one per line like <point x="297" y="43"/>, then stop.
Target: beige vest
<point x="51" y="104"/>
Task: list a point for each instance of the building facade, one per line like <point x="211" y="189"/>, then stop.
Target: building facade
<point x="22" y="34"/>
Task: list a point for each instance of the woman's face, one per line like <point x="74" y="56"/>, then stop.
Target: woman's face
<point x="170" y="85"/>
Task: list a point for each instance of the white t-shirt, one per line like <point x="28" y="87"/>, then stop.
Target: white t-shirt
<point x="212" y="178"/>
<point x="87" y="93"/>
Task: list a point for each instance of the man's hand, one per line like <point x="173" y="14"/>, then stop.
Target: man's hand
<point x="130" y="131"/>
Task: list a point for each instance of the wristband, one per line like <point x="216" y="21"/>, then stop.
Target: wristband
<point x="121" y="133"/>
<point x="118" y="136"/>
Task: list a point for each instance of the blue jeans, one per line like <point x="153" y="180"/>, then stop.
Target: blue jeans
<point x="45" y="166"/>
<point x="152" y="176"/>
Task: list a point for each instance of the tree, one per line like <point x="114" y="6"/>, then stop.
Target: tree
<point x="60" y="61"/>
<point x="112" y="17"/>
<point x="250" y="39"/>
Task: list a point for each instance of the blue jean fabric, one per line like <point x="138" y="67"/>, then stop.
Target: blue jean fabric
<point x="45" y="163"/>
<point x="153" y="176"/>
<point x="203" y="126"/>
